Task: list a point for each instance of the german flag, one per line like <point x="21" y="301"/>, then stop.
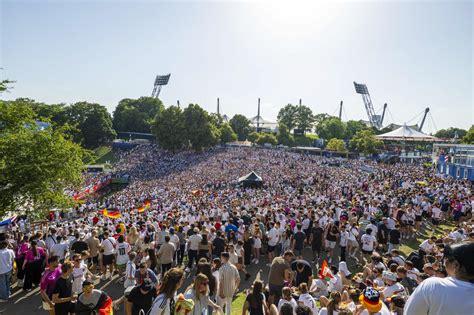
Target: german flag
<point x="115" y="214"/>
<point x="147" y="204"/>
<point x="141" y="209"/>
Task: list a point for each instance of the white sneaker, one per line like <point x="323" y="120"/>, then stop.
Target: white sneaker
<point x="256" y="261"/>
<point x="104" y="277"/>
<point x="187" y="269"/>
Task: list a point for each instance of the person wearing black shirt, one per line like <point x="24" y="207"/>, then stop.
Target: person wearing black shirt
<point x="218" y="245"/>
<point x="304" y="272"/>
<point x="141" y="298"/>
<point x="80" y="245"/>
<point x="62" y="292"/>
<point x="332" y="233"/>
<point x="394" y="238"/>
<point x="298" y="242"/>
<point x="316" y="240"/>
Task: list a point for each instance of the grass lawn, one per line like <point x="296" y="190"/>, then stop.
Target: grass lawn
<point x="104" y="154"/>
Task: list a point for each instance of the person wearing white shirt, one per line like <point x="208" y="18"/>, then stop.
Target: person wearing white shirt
<point x="306" y="299"/>
<point x="273" y="237"/>
<point x="343" y="241"/>
<point x="451" y="295"/>
<point x="108" y="248"/>
<point x="7" y="257"/>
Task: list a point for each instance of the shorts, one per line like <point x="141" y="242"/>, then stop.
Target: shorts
<point x="367" y="252"/>
<point x="94" y="260"/>
<point x="108" y="259"/>
<point x="331" y="244"/>
<point x="418" y="218"/>
<point x="271" y="249"/>
<point x="354" y="243"/>
<point x="316" y="247"/>
<point x="275" y="289"/>
<point x="435" y="221"/>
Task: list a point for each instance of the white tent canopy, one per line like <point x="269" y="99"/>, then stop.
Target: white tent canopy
<point x="405" y="133"/>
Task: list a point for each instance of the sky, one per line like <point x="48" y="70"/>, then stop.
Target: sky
<point x="411" y="55"/>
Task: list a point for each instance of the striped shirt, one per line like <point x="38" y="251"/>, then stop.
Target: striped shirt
<point x="228" y="278"/>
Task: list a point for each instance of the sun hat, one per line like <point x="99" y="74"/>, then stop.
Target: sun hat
<point x="370" y="299"/>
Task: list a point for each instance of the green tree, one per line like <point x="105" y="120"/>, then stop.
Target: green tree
<point x="321" y="117"/>
<point x="336" y="145"/>
<point x="450" y="133"/>
<point x="365" y="141"/>
<point x="469" y="136"/>
<point x="304" y="118"/>
<point x="227" y="133"/>
<point x="241" y="125"/>
<point x="288" y="116"/>
<point x="136" y="115"/>
<point x="267" y="138"/>
<point x="93" y="122"/>
<point x="331" y="128"/>
<point x="169" y="129"/>
<point x="36" y="166"/>
<point x="284" y="136"/>
<point x="200" y="131"/>
<point x="354" y="126"/>
<point x="253" y="136"/>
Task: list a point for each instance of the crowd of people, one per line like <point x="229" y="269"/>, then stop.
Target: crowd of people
<point x="315" y="239"/>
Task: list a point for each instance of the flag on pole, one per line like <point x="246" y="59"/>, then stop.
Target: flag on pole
<point x="325" y="272"/>
<point x="140" y="209"/>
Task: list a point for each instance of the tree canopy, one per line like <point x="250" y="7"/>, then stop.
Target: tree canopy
<point x="336" y="145"/>
<point x="36" y="165"/>
<point x="227" y="133"/>
<point x="169" y="129"/>
<point x="450" y="133"/>
<point x="364" y="141"/>
<point x="331" y="128"/>
<point x="241" y="125"/>
<point x="136" y="115"/>
<point x="288" y="116"/>
<point x="200" y="130"/>
<point x="469" y="136"/>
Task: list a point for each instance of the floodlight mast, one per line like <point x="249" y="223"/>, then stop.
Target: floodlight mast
<point x="160" y="80"/>
<point x="374" y="120"/>
<point x="340" y="111"/>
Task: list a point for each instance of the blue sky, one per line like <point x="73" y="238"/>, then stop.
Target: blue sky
<point x="410" y="54"/>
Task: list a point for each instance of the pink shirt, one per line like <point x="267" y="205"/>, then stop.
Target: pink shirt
<point x="29" y="254"/>
<point x="21" y="250"/>
<point x="48" y="280"/>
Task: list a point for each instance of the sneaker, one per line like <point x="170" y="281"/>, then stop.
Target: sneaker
<point x="329" y="260"/>
<point x="104" y="277"/>
<point x="187" y="269"/>
<point x="256" y="261"/>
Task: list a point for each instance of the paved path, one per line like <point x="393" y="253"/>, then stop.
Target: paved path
<point x="22" y="302"/>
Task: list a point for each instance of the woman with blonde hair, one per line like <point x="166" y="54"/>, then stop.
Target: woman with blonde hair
<point x="165" y="301"/>
<point x="199" y="293"/>
<point x="132" y="236"/>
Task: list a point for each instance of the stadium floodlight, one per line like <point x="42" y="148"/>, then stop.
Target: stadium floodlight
<point x="160" y="80"/>
<point x="375" y="120"/>
<point x="361" y="88"/>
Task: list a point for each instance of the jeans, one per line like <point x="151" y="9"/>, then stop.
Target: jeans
<point x="192" y="255"/>
<point x="5" y="285"/>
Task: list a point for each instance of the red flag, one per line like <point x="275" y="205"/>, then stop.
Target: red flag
<point x="325" y="272"/>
